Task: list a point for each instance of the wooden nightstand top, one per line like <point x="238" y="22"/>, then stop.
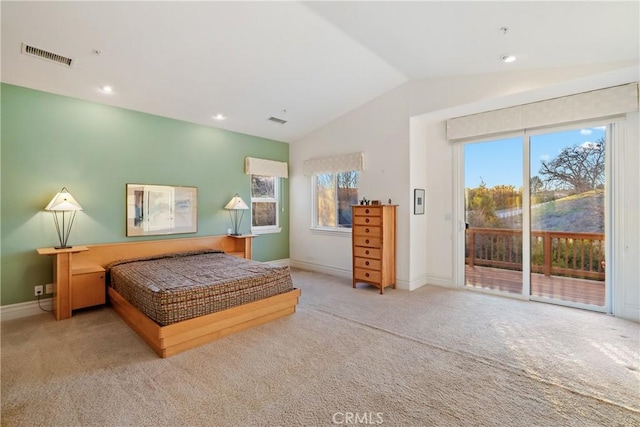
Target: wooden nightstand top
<point x="54" y="251"/>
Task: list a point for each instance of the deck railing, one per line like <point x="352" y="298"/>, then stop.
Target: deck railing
<point x="552" y="253"/>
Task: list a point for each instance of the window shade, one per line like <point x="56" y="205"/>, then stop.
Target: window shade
<point x="342" y="163"/>
<point x="573" y="108"/>
<point x="254" y="166"/>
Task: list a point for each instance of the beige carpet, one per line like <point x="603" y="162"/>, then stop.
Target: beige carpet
<point x="432" y="357"/>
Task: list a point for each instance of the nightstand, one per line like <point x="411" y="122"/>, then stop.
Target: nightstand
<point x="243" y="247"/>
<point x="74" y="288"/>
<point x="88" y="287"/>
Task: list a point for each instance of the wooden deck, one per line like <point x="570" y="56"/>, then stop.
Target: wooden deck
<point x="564" y="288"/>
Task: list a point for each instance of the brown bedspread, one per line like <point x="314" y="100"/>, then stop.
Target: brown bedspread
<point x="176" y="287"/>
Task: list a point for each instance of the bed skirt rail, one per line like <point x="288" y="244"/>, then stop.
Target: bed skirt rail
<point x="178" y="337"/>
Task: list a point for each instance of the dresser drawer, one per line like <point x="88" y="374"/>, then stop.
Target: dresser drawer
<point x="367" y="275"/>
<point x="370" y="242"/>
<point x="372" y="264"/>
<point x="367" y="220"/>
<point x="361" y="230"/>
<point x="367" y="210"/>
<point x="367" y="253"/>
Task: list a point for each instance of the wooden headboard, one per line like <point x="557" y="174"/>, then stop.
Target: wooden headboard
<point x="103" y="254"/>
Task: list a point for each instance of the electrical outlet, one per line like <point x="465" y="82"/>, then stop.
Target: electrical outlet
<point x="48" y="288"/>
<point x="38" y="290"/>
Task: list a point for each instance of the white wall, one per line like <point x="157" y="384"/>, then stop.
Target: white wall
<point x="403" y="136"/>
<point x="418" y="178"/>
<point x="381" y="130"/>
<point x="626" y="297"/>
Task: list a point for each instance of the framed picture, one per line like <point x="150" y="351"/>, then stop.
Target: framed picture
<point x="418" y="201"/>
<point x="161" y="209"/>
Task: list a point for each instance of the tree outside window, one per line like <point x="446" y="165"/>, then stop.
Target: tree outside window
<point x="264" y="202"/>
<point x="334" y="195"/>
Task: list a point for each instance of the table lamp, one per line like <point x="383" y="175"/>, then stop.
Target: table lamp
<point x="62" y="203"/>
<point x="236" y="207"/>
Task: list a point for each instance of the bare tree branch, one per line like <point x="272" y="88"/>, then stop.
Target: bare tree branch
<point x="579" y="168"/>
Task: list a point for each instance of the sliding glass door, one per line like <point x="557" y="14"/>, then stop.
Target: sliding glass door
<point x="567" y="199"/>
<point x="493" y="215"/>
<point x="535" y="215"/>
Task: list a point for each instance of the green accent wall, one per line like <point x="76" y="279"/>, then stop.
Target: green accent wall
<point x="51" y="141"/>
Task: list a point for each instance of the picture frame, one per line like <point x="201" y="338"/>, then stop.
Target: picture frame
<point x="418" y="201"/>
<point x="161" y="209"/>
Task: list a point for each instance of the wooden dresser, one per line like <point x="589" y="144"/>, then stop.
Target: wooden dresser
<point x="374" y="245"/>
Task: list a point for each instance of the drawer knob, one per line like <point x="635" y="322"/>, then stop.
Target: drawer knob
<point x="367" y="220"/>
<point x="366" y="230"/>
<point x="366" y="274"/>
<point x="367" y="252"/>
<point x="367" y="211"/>
<point x="366" y="241"/>
<point x="366" y="263"/>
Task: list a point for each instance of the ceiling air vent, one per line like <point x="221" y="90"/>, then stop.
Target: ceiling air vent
<point x="277" y="120"/>
<point x="46" y="55"/>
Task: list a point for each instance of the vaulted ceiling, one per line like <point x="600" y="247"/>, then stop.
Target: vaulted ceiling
<point x="304" y="62"/>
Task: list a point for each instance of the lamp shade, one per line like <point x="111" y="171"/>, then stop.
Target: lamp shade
<point x="236" y="203"/>
<point x="63" y="201"/>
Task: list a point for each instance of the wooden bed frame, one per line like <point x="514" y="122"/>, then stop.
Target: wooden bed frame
<point x="181" y="336"/>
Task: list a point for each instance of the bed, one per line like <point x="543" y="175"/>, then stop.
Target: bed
<point x="181" y="293"/>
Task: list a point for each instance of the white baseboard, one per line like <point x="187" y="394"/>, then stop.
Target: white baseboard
<point x="348" y="274"/>
<point x="413" y="284"/>
<point x="440" y="281"/>
<point x="629" y="312"/>
<point x="280" y="262"/>
<point x="405" y="285"/>
<point x="423" y="280"/>
<point x="24" y="309"/>
<point x="334" y="271"/>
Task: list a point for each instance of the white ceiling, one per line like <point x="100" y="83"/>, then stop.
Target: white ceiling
<point x="316" y="60"/>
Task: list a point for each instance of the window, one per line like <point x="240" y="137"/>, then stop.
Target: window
<point x="334" y="188"/>
<point x="264" y="204"/>
<point x="265" y="193"/>
<point x="334" y="193"/>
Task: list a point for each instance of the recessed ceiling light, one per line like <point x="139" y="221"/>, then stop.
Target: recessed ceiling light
<point x="220" y="116"/>
<point x="508" y="58"/>
<point x="106" y="89"/>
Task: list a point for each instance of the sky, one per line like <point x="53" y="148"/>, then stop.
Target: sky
<point x="499" y="162"/>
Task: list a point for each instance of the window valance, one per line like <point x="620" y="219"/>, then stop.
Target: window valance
<point x="341" y="163"/>
<point x="583" y="106"/>
<point x="254" y="166"/>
